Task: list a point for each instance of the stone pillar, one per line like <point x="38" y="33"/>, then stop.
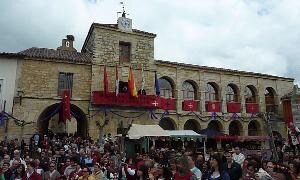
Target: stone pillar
<point x="223" y="98"/>
<point x="242" y="99"/>
<point x="261" y="97"/>
<point x="202" y="102"/>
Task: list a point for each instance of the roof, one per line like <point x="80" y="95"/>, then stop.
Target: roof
<point x="113" y="27"/>
<point x="190" y="134"/>
<point x="218" y="69"/>
<point x="57" y="55"/>
<point x="138" y="131"/>
<point x="11" y="55"/>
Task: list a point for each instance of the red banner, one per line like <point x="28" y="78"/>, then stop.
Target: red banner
<point x="190" y="105"/>
<point x="66" y="112"/>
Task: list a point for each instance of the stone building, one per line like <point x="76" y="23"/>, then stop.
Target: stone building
<point x="191" y="96"/>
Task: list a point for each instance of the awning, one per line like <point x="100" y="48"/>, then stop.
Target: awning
<point x="138" y="131"/>
<point x="242" y="138"/>
<point x="210" y="132"/>
<point x="189" y="134"/>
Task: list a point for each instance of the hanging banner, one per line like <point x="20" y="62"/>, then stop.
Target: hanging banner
<point x="66" y="105"/>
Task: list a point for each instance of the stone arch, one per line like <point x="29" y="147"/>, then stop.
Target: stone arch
<point x="270" y="99"/>
<point x="235" y="128"/>
<point x="212" y="92"/>
<point x="167" y="86"/>
<point x="215" y="125"/>
<point x="232" y="93"/>
<point x="254" y="128"/>
<point x="192" y="124"/>
<point x="167" y="123"/>
<point x="251" y="94"/>
<point x="52" y="112"/>
<point x="195" y="89"/>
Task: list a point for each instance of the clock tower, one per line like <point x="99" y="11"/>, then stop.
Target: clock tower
<point x="125" y="24"/>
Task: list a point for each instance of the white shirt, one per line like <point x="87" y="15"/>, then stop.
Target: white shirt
<point x="238" y="158"/>
<point x="197" y="172"/>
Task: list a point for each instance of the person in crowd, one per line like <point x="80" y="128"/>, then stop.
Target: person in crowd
<point x="217" y="173"/>
<point x="6" y="171"/>
<point x="85" y="174"/>
<point x="294" y="170"/>
<point x="193" y="168"/>
<point x="183" y="171"/>
<point x="18" y="158"/>
<point x="31" y="172"/>
<point x="272" y="171"/>
<point x="19" y="174"/>
<point x="71" y="168"/>
<point x="142" y="173"/>
<point x="251" y="170"/>
<point x="238" y="156"/>
<point x="233" y="169"/>
<point x="88" y="161"/>
<point x="52" y="173"/>
<point x="97" y="173"/>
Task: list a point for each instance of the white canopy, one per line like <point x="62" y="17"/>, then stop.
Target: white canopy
<point x="189" y="134"/>
<point x="137" y="131"/>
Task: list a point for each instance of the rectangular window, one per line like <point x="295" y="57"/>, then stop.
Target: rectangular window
<point x="65" y="82"/>
<point x="124" y="52"/>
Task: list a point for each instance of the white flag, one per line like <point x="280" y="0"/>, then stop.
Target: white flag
<point x="117" y="81"/>
<point x="143" y="79"/>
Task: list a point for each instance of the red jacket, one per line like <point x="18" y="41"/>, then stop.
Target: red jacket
<point x="34" y="176"/>
<point x="187" y="176"/>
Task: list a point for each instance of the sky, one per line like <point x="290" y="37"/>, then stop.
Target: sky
<point x="250" y="35"/>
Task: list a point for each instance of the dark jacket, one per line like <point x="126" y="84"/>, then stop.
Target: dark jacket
<point x="235" y="172"/>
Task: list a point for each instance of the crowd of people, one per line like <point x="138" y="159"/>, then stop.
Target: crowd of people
<point x="72" y="157"/>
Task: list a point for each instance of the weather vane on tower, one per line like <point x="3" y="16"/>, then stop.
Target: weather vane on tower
<point x="123" y="10"/>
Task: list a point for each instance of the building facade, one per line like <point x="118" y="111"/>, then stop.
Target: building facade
<point x="191" y="96"/>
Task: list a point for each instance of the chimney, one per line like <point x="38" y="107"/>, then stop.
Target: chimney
<point x="67" y="44"/>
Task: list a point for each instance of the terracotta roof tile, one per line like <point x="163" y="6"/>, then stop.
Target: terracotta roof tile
<point x="57" y="55"/>
<point x="219" y="69"/>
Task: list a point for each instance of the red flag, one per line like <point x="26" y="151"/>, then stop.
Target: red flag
<point x="105" y="81"/>
<point x="131" y="83"/>
<point x="66" y="105"/>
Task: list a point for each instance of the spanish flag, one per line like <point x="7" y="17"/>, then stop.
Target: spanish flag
<point x="131" y="84"/>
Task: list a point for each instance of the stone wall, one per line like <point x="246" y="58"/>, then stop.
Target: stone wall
<point x="39" y="82"/>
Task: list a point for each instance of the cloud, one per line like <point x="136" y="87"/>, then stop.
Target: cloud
<point x="251" y="35"/>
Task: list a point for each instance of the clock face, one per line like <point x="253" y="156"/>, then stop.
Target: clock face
<point x="125" y="23"/>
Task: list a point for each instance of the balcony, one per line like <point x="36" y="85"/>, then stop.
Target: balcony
<point x="190" y="105"/>
<point x="251" y="107"/>
<point x="167" y="103"/>
<point x="124" y="99"/>
<point x="233" y="107"/>
<point x="213" y="106"/>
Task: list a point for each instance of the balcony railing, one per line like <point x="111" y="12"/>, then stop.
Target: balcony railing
<point x="213" y="106"/>
<point x="124" y="99"/>
<point x="252" y="107"/>
<point x="190" y="105"/>
<point x="233" y="107"/>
